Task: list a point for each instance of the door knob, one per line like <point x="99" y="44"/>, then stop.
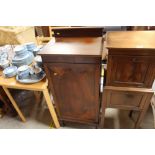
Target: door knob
<point x="55" y="74"/>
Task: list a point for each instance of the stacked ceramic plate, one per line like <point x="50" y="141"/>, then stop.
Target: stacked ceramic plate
<point x="30" y="46"/>
<point x="22" y="56"/>
<point x="20" y="50"/>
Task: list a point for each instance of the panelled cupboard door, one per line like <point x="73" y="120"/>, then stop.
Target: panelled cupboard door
<point x="76" y="90"/>
<point x="136" y="71"/>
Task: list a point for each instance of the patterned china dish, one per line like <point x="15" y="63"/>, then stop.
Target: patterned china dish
<point x="34" y="75"/>
<point x="10" y="71"/>
<point x="4" y="64"/>
<point x="3" y="56"/>
<point x="23" y="71"/>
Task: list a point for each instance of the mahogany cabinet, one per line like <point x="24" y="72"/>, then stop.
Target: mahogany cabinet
<point x="72" y="66"/>
<point x="130" y="72"/>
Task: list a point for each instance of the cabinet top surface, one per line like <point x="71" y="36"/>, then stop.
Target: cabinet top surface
<point x="131" y="39"/>
<point x="73" y="46"/>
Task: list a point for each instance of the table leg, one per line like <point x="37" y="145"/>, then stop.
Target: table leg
<point x="14" y="104"/>
<point x="51" y="108"/>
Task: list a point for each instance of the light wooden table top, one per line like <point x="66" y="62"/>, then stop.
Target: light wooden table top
<point x="12" y="83"/>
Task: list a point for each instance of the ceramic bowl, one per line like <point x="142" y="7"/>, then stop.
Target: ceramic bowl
<point x="37" y="74"/>
<point x="24" y="68"/>
<point x="23" y="71"/>
<point x="37" y="70"/>
<point x="10" y="71"/>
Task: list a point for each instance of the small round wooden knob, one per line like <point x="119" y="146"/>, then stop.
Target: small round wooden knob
<point x="134" y="59"/>
<point x="55" y="74"/>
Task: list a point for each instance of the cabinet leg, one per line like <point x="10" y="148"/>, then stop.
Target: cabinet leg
<point x="14" y="104"/>
<point x="139" y="120"/>
<point x="130" y="113"/>
<point x="101" y="124"/>
<point x="62" y="123"/>
<point x="143" y="112"/>
<point x="103" y="107"/>
<point x="153" y="108"/>
<point x="51" y="108"/>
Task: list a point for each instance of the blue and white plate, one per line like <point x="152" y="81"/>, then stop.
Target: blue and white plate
<point x="30" y="46"/>
<point x="32" y="78"/>
<point x="20" y="50"/>
<point x="26" y="60"/>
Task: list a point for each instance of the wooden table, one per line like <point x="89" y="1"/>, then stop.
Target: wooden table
<point x="40" y="86"/>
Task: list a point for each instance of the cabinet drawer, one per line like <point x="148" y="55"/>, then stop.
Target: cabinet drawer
<point x="125" y="97"/>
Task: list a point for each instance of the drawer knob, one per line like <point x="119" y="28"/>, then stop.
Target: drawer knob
<point x="129" y="95"/>
<point x="134" y="59"/>
<point x="126" y="93"/>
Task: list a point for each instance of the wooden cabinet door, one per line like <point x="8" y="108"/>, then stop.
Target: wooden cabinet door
<point x="129" y="71"/>
<point x="76" y="90"/>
